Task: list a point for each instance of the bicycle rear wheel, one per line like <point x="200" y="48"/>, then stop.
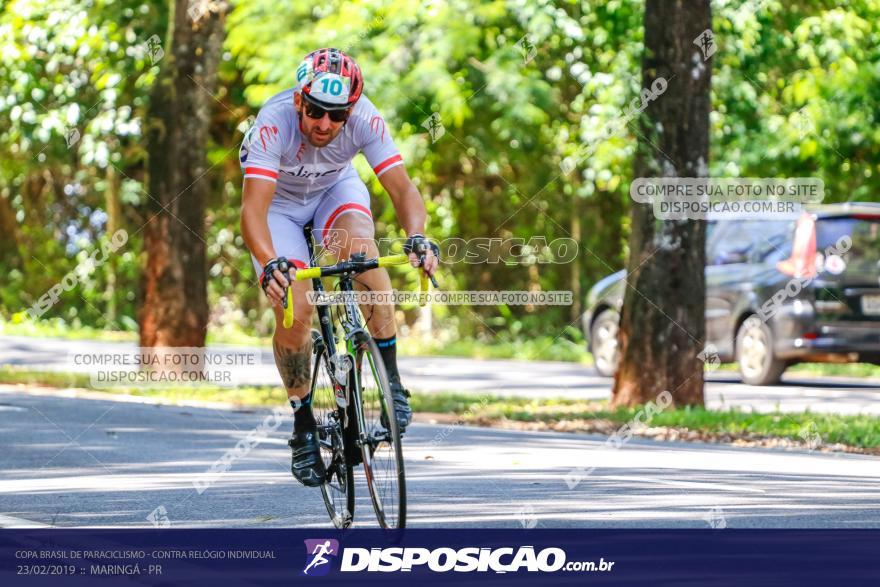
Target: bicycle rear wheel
<point x="338" y="487"/>
<point x="382" y="451"/>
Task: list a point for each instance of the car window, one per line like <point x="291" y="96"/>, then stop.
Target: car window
<point x="731" y="244"/>
<point x="711" y="225"/>
<point x="864" y="234"/>
<point x="741" y="241"/>
<point x="860" y="251"/>
<point x="774" y="241"/>
<point x="714" y="236"/>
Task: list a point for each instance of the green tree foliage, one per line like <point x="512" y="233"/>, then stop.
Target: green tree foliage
<point x="78" y="75"/>
<point x="530" y="95"/>
<point x="796" y="93"/>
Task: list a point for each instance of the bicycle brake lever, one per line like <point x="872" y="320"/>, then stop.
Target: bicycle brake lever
<point x="422" y="264"/>
<point x="287" y="304"/>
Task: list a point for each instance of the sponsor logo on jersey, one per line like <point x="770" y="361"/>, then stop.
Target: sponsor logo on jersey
<point x="246" y="144"/>
<point x="377" y="125"/>
<point x="268" y="135"/>
<point x="312" y="171"/>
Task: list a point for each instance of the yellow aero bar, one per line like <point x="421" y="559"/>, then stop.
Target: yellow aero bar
<point x="400" y="259"/>
<point x="315" y="272"/>
<point x="288" y="311"/>
<point x="310" y="273"/>
<point x="403" y="259"/>
<point x="387" y="261"/>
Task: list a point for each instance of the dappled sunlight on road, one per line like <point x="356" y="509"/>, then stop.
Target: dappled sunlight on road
<point x="97" y="462"/>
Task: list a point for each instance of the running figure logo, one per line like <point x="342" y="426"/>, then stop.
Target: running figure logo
<point x="317" y="553"/>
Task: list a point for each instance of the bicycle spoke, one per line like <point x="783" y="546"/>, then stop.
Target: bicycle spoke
<point x="383" y="460"/>
<point x="338" y="489"/>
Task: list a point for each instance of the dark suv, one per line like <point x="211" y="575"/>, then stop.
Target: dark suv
<point x="778" y="292"/>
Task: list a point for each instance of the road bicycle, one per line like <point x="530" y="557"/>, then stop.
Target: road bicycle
<point x="351" y="396"/>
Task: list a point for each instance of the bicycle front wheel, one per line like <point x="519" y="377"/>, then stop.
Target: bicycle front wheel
<point x="382" y="451"/>
<point x="338" y="487"/>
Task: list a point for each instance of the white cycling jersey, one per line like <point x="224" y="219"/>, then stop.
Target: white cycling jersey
<point x="274" y="149"/>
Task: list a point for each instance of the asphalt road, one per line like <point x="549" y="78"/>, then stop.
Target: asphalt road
<point x="796" y="393"/>
<point x="83" y="462"/>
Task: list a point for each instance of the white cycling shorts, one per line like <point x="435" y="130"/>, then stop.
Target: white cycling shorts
<point x="287" y="218"/>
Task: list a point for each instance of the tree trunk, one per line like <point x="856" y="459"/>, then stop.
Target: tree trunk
<point x="114" y="221"/>
<point x="175" y="305"/>
<point x="575" y="276"/>
<point x="663" y="318"/>
<point x="9" y="252"/>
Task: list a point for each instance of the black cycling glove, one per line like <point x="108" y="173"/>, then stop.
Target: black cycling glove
<point x="268" y="274"/>
<point x="418" y="244"/>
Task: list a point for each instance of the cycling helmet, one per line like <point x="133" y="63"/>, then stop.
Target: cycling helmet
<point x="330" y="79"/>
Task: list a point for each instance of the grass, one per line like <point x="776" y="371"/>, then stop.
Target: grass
<point x="861" y="370"/>
<point x="859" y="431"/>
<point x="248" y="395"/>
<point x="543" y="348"/>
<point x="11" y="374"/>
<point x="838" y="369"/>
<point x="852" y="430"/>
<point x="58" y="329"/>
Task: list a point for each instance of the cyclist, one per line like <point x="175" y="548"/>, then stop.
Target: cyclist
<point x="297" y="168"/>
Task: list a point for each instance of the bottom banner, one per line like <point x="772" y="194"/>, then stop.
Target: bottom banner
<point x="466" y="556"/>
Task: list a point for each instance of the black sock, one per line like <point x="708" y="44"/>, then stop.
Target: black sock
<point x="303" y="418"/>
<point x="388" y="350"/>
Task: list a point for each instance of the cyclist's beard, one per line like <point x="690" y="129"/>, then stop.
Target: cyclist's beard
<point x="318" y="139"/>
<point x="315" y="137"/>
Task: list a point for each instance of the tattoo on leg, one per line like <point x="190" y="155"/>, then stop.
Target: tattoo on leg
<point x="294" y="366"/>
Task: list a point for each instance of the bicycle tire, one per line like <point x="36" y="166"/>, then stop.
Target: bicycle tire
<point x="383" y="453"/>
<point x="338" y="487"/>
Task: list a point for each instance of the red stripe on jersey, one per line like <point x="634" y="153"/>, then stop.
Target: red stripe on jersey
<point x="384" y="164"/>
<point x="259" y="171"/>
<point x="340" y="210"/>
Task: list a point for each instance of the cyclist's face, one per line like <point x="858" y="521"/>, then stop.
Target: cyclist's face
<point x="318" y="131"/>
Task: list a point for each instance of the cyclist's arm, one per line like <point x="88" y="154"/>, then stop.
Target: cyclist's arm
<point x="384" y="157"/>
<point x="409" y="207"/>
<point x="255" y="200"/>
<point x="260" y="157"/>
<point x="406" y="199"/>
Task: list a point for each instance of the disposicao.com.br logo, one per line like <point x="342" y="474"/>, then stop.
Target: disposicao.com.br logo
<point x="441" y="560"/>
<point x="319" y="552"/>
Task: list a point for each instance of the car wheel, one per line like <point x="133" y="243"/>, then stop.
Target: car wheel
<point x="754" y="352"/>
<point x="603" y="342"/>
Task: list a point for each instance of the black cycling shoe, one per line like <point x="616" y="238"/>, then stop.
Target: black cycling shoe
<point x="402" y="411"/>
<point x="306" y="463"/>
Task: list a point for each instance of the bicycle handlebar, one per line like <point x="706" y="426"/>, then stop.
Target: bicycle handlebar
<point x="351" y="267"/>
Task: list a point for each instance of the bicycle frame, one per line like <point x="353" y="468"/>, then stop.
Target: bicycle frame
<point x="354" y="334"/>
<point x="353" y="327"/>
<point x="348" y="370"/>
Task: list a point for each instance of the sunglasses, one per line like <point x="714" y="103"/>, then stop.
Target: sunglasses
<point x="317" y="113"/>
